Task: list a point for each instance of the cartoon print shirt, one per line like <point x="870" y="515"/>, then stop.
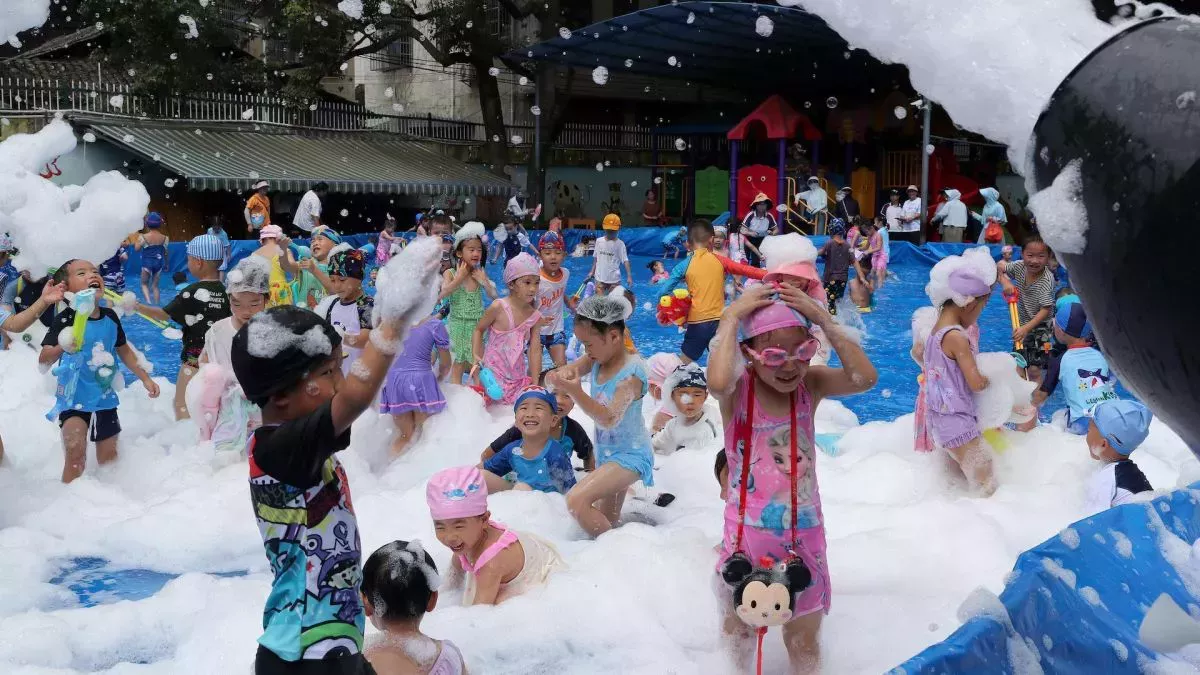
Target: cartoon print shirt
<point x="196" y="309"/>
<point x="1085" y="377"/>
<point x="768" y="490"/>
<point x="302" y="503"/>
<point x="548" y="471"/>
<point x="348" y="318"/>
<point x="87" y="378"/>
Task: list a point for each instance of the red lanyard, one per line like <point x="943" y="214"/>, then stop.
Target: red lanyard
<point x="744" y="433"/>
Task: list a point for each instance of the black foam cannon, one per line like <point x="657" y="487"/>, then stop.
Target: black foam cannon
<point x="1130" y="114"/>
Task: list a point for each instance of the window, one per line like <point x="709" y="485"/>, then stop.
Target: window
<point x="397" y="55"/>
<point x="498" y="20"/>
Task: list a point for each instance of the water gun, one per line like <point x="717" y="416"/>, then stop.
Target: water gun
<point x="1011" y="297"/>
<point x="490" y="385"/>
<point x="84" y="303"/>
<point x="113" y="297"/>
<point x="673" y="307"/>
<point x="582" y="287"/>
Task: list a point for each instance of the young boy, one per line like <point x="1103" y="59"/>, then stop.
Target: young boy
<point x="566" y="431"/>
<point x="705" y="279"/>
<point x="86" y="400"/>
<point x="349" y="310"/>
<point x="610" y="255"/>
<point x="1033" y="283"/>
<point x="836" y="253"/>
<point x="21" y="321"/>
<point x="217" y="229"/>
<point x="552" y="296"/>
<point x="692" y="427"/>
<point x="1115" y="430"/>
<point x="288" y="362"/>
<point x="196" y="308"/>
<point x="538" y="461"/>
<point x="1082" y="369"/>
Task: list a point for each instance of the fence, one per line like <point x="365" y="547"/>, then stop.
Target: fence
<point x="103" y="99"/>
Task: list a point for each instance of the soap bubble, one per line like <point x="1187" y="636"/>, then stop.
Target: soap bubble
<point x="764" y="26"/>
<point x="886" y="393"/>
<point x="523" y="81"/>
<point x="628" y="63"/>
<point x="116" y="101"/>
<point x="808" y="104"/>
<point x="248" y="114"/>
<point x="398" y="107"/>
<point x="671" y="60"/>
<point x="680" y="144"/>
<point x="599" y="166"/>
<point x="600" y="75"/>
<point x="564" y="33"/>
<point x="535" y="110"/>
<point x="517" y="140"/>
<point x="344" y="212"/>
<point x="89" y="137"/>
<point x="657" y="180"/>
<point x="633" y="183"/>
<point x="929" y="149"/>
<point x="170" y="182"/>
<point x="900" y="112"/>
<point x="493" y="71"/>
<point x="691" y="17"/>
<point x="831" y="102"/>
<point x="389" y="92"/>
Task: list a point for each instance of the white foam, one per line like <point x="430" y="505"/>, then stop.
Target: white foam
<point x="266" y="337"/>
<point x="21" y="15"/>
<point x="1062" y="218"/>
<point x="786" y="249"/>
<point x="407" y="288"/>
<point x="975" y="262"/>
<point x="1006" y="390"/>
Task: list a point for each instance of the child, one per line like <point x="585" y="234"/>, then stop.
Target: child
<point x="959" y="286"/>
<point x="349" y="310"/>
<point x="567" y="432"/>
<point x="739" y="244"/>
<point x="610" y="255"/>
<point x="720" y="236"/>
<point x="511" y="324"/>
<point x="658" y="368"/>
<point x="721" y="471"/>
<point x="312" y="283"/>
<point x="274" y="249"/>
<point x="287" y="361"/>
<point x="86" y="400"/>
<point x="767" y="406"/>
<point x="399" y="585"/>
<point x="411" y="393"/>
<point x="691" y="428"/>
<point x="383" y="250"/>
<point x="581" y="249"/>
<point x="536" y="459"/>
<point x="153" y="245"/>
<point x="196" y="308"/>
<point x="552" y="296"/>
<point x="497" y="563"/>
<point x="515" y="241"/>
<point x="922" y="327"/>
<point x="618" y="384"/>
<point x="880" y="246"/>
<point x="21" y="321"/>
<point x="657" y="271"/>
<point x="225" y="416"/>
<point x="113" y="271"/>
<point x="1115" y="429"/>
<point x="862" y="289"/>
<point x="463" y="286"/>
<point x="837" y="255"/>
<point x="217" y="229"/>
<point x="1083" y="371"/>
<point x="1006" y="253"/>
<point x="1032" y="281"/>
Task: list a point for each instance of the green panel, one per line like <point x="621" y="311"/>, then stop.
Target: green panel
<point x="712" y="191"/>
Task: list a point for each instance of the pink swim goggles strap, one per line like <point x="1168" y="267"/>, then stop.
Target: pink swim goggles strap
<point x="507" y="538"/>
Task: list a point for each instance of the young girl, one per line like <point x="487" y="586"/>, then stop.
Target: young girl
<point x="959" y="287"/>
<point x="657" y="271"/>
<point x="411" y="392"/>
<point x="399" y="585"/>
<point x="738" y="244"/>
<point x="491" y="562"/>
<point x="882" y="249"/>
<point x="383" y="250"/>
<point x="464" y="285"/>
<point x="511" y="325"/>
<point x="153" y="245"/>
<point x="624" y="454"/>
<point x="773" y="508"/>
<point x="720" y="239"/>
<point x="274" y="249"/>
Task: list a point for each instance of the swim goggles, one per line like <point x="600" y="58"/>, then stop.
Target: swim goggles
<point x="776" y="357"/>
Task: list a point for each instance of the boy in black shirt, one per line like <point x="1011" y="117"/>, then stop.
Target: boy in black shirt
<point x="836" y="253"/>
<point x="288" y="362"/>
<point x="195" y="309"/>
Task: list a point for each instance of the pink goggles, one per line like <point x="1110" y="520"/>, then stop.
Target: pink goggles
<point x="776" y="357"/>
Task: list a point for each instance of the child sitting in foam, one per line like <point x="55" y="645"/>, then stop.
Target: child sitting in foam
<point x="491" y="562"/>
<point x="538" y="461"/>
<point x="661" y="408"/>
<point x="693" y="427"/>
<point x="399" y="585"/>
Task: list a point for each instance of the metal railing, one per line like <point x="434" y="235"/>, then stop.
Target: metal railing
<point x="28" y="95"/>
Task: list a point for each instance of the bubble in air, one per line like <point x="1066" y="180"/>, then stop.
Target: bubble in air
<point x="900" y="112"/>
<point x="628" y="63"/>
<point x="764" y="26"/>
<point x="648" y="307"/>
<point x="116" y="101"/>
<point x="389" y="92"/>
<point x="600" y="75"/>
<point x="170" y="182"/>
<point x="691" y="17"/>
<point x="886" y="393"/>
<point x="523" y="81"/>
<point x="633" y="183"/>
<point x="344" y="212"/>
<point x="680" y="144"/>
<point x="493" y="71"/>
<point x="671" y="60"/>
<point x="1185" y="99"/>
<point x="808" y="104"/>
<point x="535" y="110"/>
<point x="517" y="140"/>
<point x="599" y="166"/>
<point x="831" y="102"/>
<point x="398" y="107"/>
<point x="564" y="33"/>
<point x="248" y="113"/>
<point x="929" y="149"/>
<point x="658" y="180"/>
<point x="1116" y="206"/>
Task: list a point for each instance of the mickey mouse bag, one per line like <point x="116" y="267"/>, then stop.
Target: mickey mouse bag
<point x="764" y="594"/>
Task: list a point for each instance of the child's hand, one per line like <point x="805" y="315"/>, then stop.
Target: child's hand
<point x="479" y="274"/>
<point x="565" y="379"/>
<point x="544" y="322"/>
<point x="151" y="387"/>
<point x="307" y="264"/>
<point x="802" y="302"/>
<point x="755" y="298"/>
<point x="52" y="292"/>
<point x="1020" y="333"/>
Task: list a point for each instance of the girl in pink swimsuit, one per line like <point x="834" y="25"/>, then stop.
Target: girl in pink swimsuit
<point x="759" y="372"/>
<point x="511" y="325"/>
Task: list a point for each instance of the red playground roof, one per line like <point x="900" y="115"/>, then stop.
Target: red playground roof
<point x="779" y="119"/>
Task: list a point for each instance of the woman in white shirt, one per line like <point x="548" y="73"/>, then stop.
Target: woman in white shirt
<point x="757" y="224"/>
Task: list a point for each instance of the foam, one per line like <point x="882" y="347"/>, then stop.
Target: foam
<point x="20" y="15"/>
<point x="267" y="337"/>
<point x="786" y="249"/>
<point x="1062" y="218"/>
<point x="977" y="262"/>
<point x="407" y="288"/>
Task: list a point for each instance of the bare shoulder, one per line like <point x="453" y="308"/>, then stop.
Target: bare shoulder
<point x="388" y="659"/>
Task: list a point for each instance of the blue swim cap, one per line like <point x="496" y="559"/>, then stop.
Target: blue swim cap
<point x="1124" y="424"/>
<point x="1072" y="320"/>
<point x="537" y="392"/>
<point x="1065" y="300"/>
<point x="154" y="220"/>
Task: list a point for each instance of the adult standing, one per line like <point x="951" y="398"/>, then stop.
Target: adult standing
<point x="952" y="215"/>
<point x="258" y="208"/>
<point x="308" y="211"/>
<point x="757" y="224"/>
<point x="847" y="206"/>
<point x="519" y="209"/>
<point x="893" y="213"/>
<point x="652" y="209"/>
<point x="911" y="219"/>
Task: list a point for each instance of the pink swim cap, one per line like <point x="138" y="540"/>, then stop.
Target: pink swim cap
<point x="457" y="493"/>
<point x="524" y="265"/>
<point x="660" y="366"/>
<point x="801" y="270"/>
<point x="270" y="232"/>
<point x="772" y="317"/>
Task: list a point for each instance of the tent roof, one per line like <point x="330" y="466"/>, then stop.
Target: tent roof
<point x="779" y="119"/>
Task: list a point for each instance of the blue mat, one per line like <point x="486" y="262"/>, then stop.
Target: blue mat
<point x="1070" y="632"/>
<point x="95" y="582"/>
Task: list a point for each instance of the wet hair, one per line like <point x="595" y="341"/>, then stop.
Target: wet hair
<point x="399" y="579"/>
<point x="60" y="274"/>
<point x="600" y="326"/>
<point x="721" y="464"/>
<point x="650" y="265"/>
<point x="702" y="225"/>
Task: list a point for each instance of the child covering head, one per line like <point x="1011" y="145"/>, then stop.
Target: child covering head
<point x="1082" y="370"/>
<point x="463" y="287"/>
<point x="399" y="586"/>
<point x="618" y="384"/>
<point x="759" y="372"/>
<point x="552" y="296"/>
<point x="692" y="427"/>
<point x="495" y="562"/>
<point x="85" y="402"/>
<point x="288" y="362"/>
<point x="959" y="288"/>
<point x="1116" y="428"/>
<point x="512" y="324"/>
<point x="537" y="461"/>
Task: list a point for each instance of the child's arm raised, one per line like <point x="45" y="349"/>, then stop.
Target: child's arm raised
<point x="451" y="280"/>
<point x="129" y="358"/>
<point x="366" y="377"/>
<point x="480" y="276"/>
<point x="723" y="360"/>
<point x="606" y="416"/>
<point x="957" y="347"/>
<point x="857" y="373"/>
<point x="51" y="293"/>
